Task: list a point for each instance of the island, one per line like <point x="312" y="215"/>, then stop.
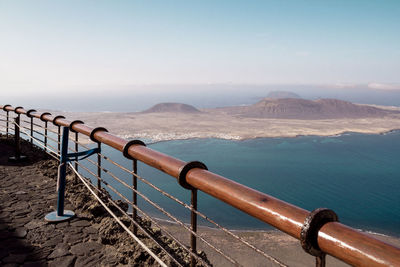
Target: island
<point x="270" y="117"/>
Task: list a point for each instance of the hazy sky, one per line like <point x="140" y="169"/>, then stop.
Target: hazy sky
<point x="80" y="45"/>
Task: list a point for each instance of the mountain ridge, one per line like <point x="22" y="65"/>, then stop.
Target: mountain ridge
<point x="297" y="108"/>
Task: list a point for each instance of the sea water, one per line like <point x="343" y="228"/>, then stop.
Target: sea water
<point x="356" y="175"/>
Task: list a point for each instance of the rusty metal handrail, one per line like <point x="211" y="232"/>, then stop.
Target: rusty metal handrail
<point x="334" y="238"/>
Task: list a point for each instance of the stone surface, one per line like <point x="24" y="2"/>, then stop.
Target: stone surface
<point x="67" y="261"/>
<point x="60" y="250"/>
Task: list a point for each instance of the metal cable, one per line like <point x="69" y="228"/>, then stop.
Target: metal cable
<point x="251" y="246"/>
<point x="168" y="215"/>
<point x="118" y="220"/>
<point x="38" y="125"/>
<point x="123" y="197"/>
<point x="52" y="139"/>
<point x="39" y="143"/>
<point x="145" y="214"/>
<point x="39" y="133"/>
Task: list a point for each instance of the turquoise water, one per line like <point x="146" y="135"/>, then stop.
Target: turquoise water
<point x="356" y="175"/>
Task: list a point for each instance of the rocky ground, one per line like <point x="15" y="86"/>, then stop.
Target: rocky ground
<point x="92" y="238"/>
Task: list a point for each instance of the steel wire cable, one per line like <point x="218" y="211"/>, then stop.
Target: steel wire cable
<point x="40" y="144"/>
<point x="165" y="213"/>
<point x="39" y="133"/>
<point x="26" y="128"/>
<point x="205" y="217"/>
<point x="38" y="125"/>
<point x="38" y="139"/>
<point x="123" y="197"/>
<point x="119" y="221"/>
<point x="51" y="130"/>
<point x="52" y="139"/>
<point x="145" y="214"/>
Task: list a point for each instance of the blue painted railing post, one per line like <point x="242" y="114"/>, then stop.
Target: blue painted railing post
<point x="62" y="170"/>
<point x="61" y="214"/>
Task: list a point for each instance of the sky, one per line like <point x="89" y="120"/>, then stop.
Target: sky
<point x="57" y="47"/>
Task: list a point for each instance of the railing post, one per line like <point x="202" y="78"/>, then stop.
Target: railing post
<point x="59" y="130"/>
<point x="45" y="129"/>
<point x="17" y="157"/>
<point x="31" y="130"/>
<point x="76" y="144"/>
<point x="59" y="139"/>
<point x="16" y="138"/>
<point x="309" y="233"/>
<point x="99" y="166"/>
<point x="60" y="214"/>
<point x="76" y="150"/>
<point x="92" y="133"/>
<point x="134" y="195"/>
<point x="28" y="113"/>
<point x="7" y="124"/>
<point x="134" y="178"/>
<point x="193" y="203"/>
<point x="320" y="261"/>
<point x="193" y="223"/>
<point x="45" y="136"/>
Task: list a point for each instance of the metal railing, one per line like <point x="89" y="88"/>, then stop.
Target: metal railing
<point x="319" y="231"/>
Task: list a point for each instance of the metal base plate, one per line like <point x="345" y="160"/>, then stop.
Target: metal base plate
<point x="52" y="216"/>
<point x="15" y="159"/>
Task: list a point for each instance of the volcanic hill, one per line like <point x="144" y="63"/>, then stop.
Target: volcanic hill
<point x="294" y="108"/>
<point x="172" y="107"/>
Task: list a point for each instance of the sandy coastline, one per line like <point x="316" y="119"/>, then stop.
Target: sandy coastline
<point x="275" y="243"/>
